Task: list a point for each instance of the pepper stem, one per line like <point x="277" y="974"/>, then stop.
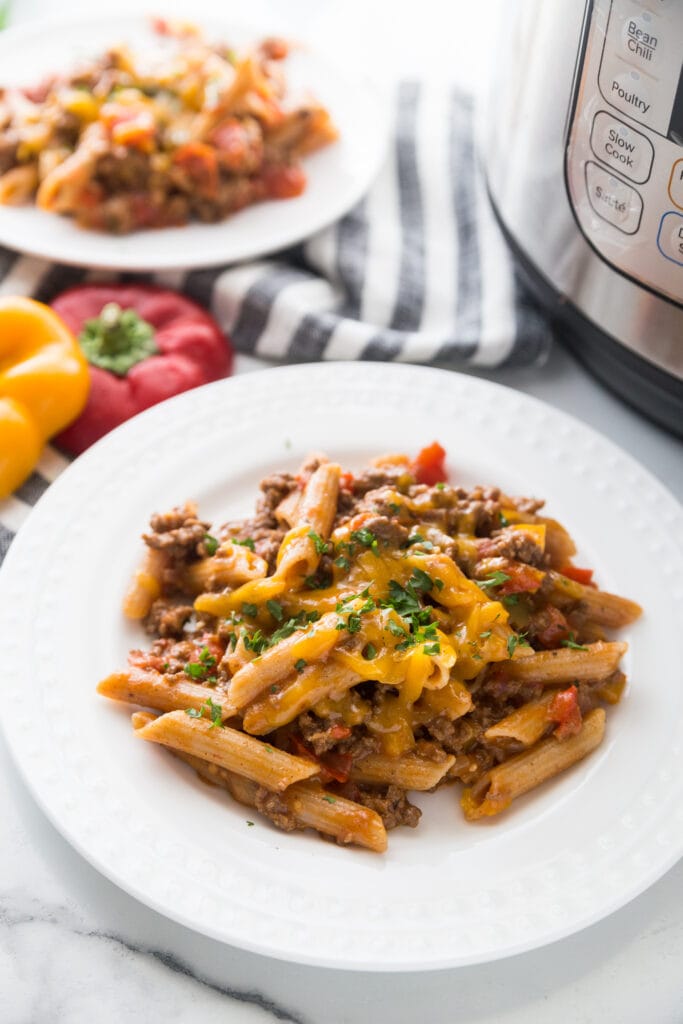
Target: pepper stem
<point x="117" y="339"/>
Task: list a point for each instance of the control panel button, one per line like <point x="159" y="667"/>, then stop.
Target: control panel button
<point x="613" y="200"/>
<point x="630" y="92"/>
<point x="622" y="147"/>
<point x="641" y="42"/>
<point x="676" y="184"/>
<point x="670" y="237"/>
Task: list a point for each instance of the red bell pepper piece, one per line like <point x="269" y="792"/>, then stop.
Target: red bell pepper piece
<point x="523" y="579"/>
<point x="573" y="572"/>
<point x="281" y="181"/>
<point x="149" y="345"/>
<point x="564" y="709"/>
<point x="429" y="465"/>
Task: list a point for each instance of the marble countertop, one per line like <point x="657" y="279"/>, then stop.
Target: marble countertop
<point x="74" y="948"/>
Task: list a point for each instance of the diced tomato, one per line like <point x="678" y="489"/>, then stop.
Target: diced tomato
<point x="339" y="732"/>
<point x="335" y="766"/>
<point x="564" y="709"/>
<point x="524" y="579"/>
<point x="429" y="465"/>
<point x="549" y="627"/>
<point x="573" y="572"/>
<point x="346" y="481"/>
<point x="282" y="181"/>
<point x="199" y="162"/>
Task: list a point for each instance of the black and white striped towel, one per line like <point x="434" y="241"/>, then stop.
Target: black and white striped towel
<point x="417" y="272"/>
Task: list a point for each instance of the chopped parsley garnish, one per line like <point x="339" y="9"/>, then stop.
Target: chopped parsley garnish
<point x="300" y="665"/>
<point x="495" y="579"/>
<point x="199" y="669"/>
<point x="320" y="544"/>
<point x="510" y="600"/>
<point x="247" y="543"/>
<point x="415" y="538"/>
<point x="342" y="562"/>
<point x="369" y="652"/>
<point x="366" y="538"/>
<point x="255" y="642"/>
<point x="268" y="750"/>
<point x="504" y="521"/>
<point x="276" y="610"/>
<point x="250" y="823"/>
<point x="516" y="641"/>
<point x="329" y="799"/>
<point x="571" y="642"/>
<point x="274" y="688"/>
<point x="440" y="486"/>
<point x="485" y="635"/>
<point x="249" y="609"/>
<point x="432" y="648"/>
<point x="353" y="623"/>
<point x="210" y="544"/>
<point x="394" y="508"/>
<point x="214" y="712"/>
<point x="165" y="667"/>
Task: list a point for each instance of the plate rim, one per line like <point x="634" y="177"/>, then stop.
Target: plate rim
<point x="98" y="452"/>
<point x="378" y="95"/>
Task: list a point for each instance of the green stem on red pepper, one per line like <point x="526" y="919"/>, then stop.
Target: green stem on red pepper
<point x="117" y="339"/>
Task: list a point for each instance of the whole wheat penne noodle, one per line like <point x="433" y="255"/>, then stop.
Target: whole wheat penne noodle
<point x="231" y="566"/>
<point x="61" y="188"/>
<point x="18" y="185"/>
<point x="154" y="690"/>
<point x="280" y="661"/>
<point x="270" y="767"/>
<point x="297" y="693"/>
<point x="145" y="587"/>
<point x="309" y="804"/>
<point x="141" y="718"/>
<point x="501" y="785"/>
<point x="596" y="662"/>
<point x="300" y="549"/>
<point x="409" y="771"/>
<point x="525" y="725"/>
<point x="287" y="512"/>
<point x="601" y="607"/>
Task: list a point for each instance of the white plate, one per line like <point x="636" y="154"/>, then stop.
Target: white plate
<point x="447" y="893"/>
<point x="337" y="176"/>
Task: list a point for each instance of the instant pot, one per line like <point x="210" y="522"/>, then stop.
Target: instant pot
<point x="583" y="148"/>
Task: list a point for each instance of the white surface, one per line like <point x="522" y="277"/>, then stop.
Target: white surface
<point x="447" y="894"/>
<point x="338" y="175"/>
<point x="74" y="947"/>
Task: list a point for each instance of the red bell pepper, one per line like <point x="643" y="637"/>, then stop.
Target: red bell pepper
<point x="564" y="709"/>
<point x="429" y="465"/>
<point x="573" y="572"/>
<point x="144" y="344"/>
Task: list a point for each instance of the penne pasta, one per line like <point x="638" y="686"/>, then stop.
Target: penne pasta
<point x="280" y="661"/>
<point x="309" y="804"/>
<point x="409" y="771"/>
<point x="566" y="665"/>
<point x="302" y="546"/>
<point x="269" y="766"/>
<point x="231" y="566"/>
<point x="163" y="693"/>
<point x="526" y="725"/>
<point x="145" y="586"/>
<point x="496" y="790"/>
<point x="297" y="693"/>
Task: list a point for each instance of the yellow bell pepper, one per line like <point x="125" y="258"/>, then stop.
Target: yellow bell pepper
<point x="44" y="383"/>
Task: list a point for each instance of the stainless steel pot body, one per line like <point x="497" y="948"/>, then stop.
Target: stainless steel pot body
<point x="582" y="140"/>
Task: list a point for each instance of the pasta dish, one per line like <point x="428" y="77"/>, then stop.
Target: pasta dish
<point x="133" y="140"/>
<point x="367" y="635"/>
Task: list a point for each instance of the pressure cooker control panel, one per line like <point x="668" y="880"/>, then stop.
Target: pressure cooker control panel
<point x="624" y="157"/>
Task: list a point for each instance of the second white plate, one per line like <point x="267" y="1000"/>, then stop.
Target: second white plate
<point x="337" y="176"/>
